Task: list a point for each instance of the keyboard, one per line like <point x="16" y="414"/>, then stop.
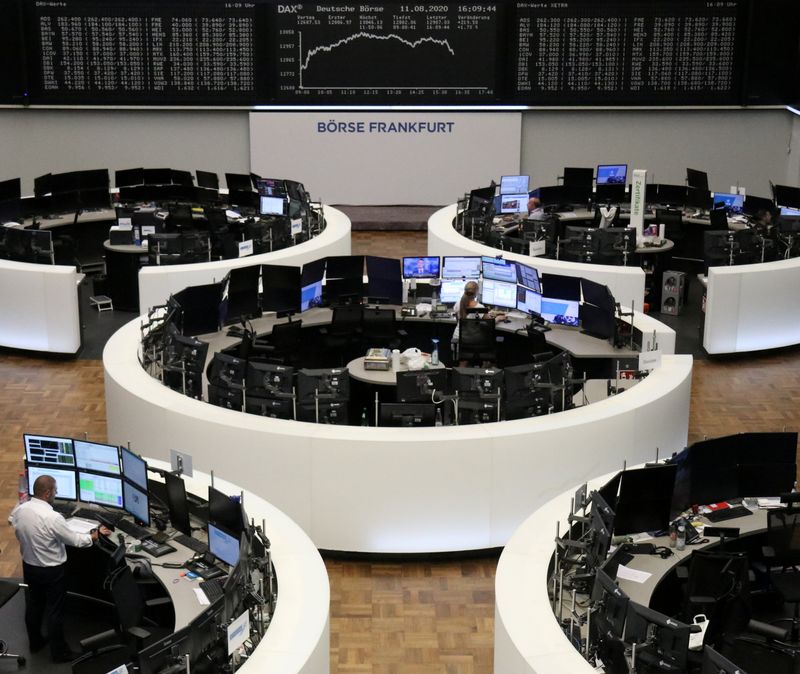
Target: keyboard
<point x="728" y="514"/>
<point x="156" y="549"/>
<point x="107" y="518"/>
<point x="63" y="508"/>
<point x="191" y="543"/>
<point x="212" y="588"/>
<point x="133" y="529"/>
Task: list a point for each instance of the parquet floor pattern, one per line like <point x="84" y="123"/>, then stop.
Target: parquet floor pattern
<point x="398" y="618"/>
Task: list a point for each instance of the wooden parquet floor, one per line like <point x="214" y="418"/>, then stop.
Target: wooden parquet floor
<point x="406" y="618"/>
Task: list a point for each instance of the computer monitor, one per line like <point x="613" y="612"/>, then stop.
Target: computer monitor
<point x="281" y="288"/>
<point x="529" y="301"/>
<point x="766" y="479"/>
<point x="101" y="490"/>
<point x="269" y="379"/>
<point x="498" y="269"/>
<point x="223" y="545"/>
<point x="177" y="504"/>
<point x="328" y="384"/>
<point x="200" y="308"/>
<point x="450" y="291"/>
<point x="421" y="267"/>
<point x="561" y="312"/>
<point x="207" y="179"/>
<point x="612" y="174"/>
<point x="790" y="212"/>
<point x="561" y="287"/>
<point x="514" y="184"/>
<point x="384" y="280"/>
<point x="610" y="604"/>
<point x="224" y="511"/>
<point x="50" y="450"/>
<point x="243" y="300"/>
<point x="754" y="204"/>
<point x="714" y="663"/>
<point x="645" y="499"/>
<point x="575" y="176"/>
<point x="658" y="636"/>
<point x="527" y="391"/>
<point x="698" y="198"/>
<point x="136" y="502"/>
<point x="421" y="385"/>
<point x="672" y="195"/>
<point x="311" y="284"/>
<point x="596" y="294"/>
<point x="499" y="294"/>
<point x="238" y="182"/>
<point x="732" y="203"/>
<point x="597" y="322"/>
<point x="528" y="277"/>
<point x="697" y="179"/>
<point x="66" y="484"/>
<point x="166" y="652"/>
<point x="480" y="199"/>
<point x="129" y="177"/>
<point x="345" y="266"/>
<point x="344" y="290"/>
<point x="272" y="205"/>
<point x="96" y="457"/>
<point x="407" y="414"/>
<point x="134" y="468"/>
<point x="477" y="381"/>
<point x="461" y="267"/>
<point x="514" y="203"/>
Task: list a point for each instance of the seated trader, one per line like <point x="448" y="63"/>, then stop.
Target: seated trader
<point x="469" y="300"/>
<point x="42" y="533"/>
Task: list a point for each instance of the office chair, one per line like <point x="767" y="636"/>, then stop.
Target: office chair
<point x="282" y="346"/>
<point x="343" y="335"/>
<point x="783" y="550"/>
<point x="130" y="606"/>
<point x="380" y="328"/>
<point x="672" y="220"/>
<point x="180" y="215"/>
<point x="7" y="591"/>
<point x="477" y="340"/>
<point x="718" y="585"/>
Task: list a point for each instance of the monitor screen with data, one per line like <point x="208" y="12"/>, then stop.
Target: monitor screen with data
<point x="50" y="450"/>
<point x="612" y="174"/>
<point x="733" y="203"/>
<point x="97" y="457"/>
<point x="101" y="490"/>
<point x="272" y="205"/>
<point x="529" y="301"/>
<point x="460" y="267"/>
<point x="421" y="267"/>
<point x="451" y="291"/>
<point x="514" y="184"/>
<point x="66" y="485"/>
<point x="514" y="203"/>
<point x="134" y="468"/>
<point x="136" y="503"/>
<point x="222" y="545"/>
<point x="499" y="294"/>
<point x="528" y="277"/>
<point x="561" y="312"/>
<point x="498" y="269"/>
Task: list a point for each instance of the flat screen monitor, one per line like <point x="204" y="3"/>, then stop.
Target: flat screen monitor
<point x="243" y="291"/>
<point x="10" y="189"/>
<point x="66" y="486"/>
<point x="477" y="381"/>
<point x="207" y="179"/>
<point x="790" y="212"/>
<point x="177" y="504"/>
<point x="269" y="379"/>
<point x="596" y="321"/>
<point x="766" y="479"/>
<point x="271" y="187"/>
<point x="421" y="385"/>
<point x="698" y="198"/>
<point x="461" y="267"/>
<point x="311" y="296"/>
<point x="561" y="312"/>
<point x="407" y="414"/>
<point x="672" y="195"/>
<point x="223" y="545"/>
<point x="578" y="177"/>
<point x="499" y="294"/>
<point x="281" y="288"/>
<point x="129" y="177"/>
<point x="612" y="605"/>
<point x="733" y="203"/>
<point x="136" y="503"/>
<point x="101" y="490"/>
<point x="96" y="457"/>
<point x="50" y="450"/>
<point x="157" y="176"/>
<point x="421" y="267"/>
<point x="596" y="294"/>
<point x="272" y="205"/>
<point x="328" y="384"/>
<point x="514" y="185"/>
<point x="612" y="174"/>
<point x="697" y="179"/>
<point x="134" y="468"/>
<point x="514" y="203"/>
<point x="384" y="279"/>
<point x="497" y="269"/>
<point x="714" y="663"/>
<point x="224" y="511"/>
<point x="754" y="204"/>
<point x="608" y="492"/>
<point x="200" y="308"/>
<point x="667" y="639"/>
<point x="238" y="182"/>
<point x="552" y="195"/>
<point x="164" y="653"/>
<point x="561" y="287"/>
<point x="528" y="277"/>
<point x="529" y="301"/>
<point x="450" y="291"/>
<point x="645" y="499"/>
<point x="345" y="266"/>
<point x="481" y="198"/>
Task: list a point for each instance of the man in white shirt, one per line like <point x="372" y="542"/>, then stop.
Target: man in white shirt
<point x="42" y="535"/>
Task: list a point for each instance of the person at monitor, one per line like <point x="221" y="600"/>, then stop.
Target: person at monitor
<point x="468" y="305"/>
<point x="42" y="534"/>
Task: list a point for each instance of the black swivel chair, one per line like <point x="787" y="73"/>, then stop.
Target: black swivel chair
<point x="7" y="591"/>
<point x="180" y="216"/>
<point x="380" y="328"/>
<point x="783" y="550"/>
<point x="343" y="335"/>
<point x="672" y="219"/>
<point x="282" y="346"/>
<point x="477" y="341"/>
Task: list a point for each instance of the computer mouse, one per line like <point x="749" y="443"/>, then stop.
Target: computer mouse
<point x="506" y="320"/>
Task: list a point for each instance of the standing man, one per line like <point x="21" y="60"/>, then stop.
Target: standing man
<point x="42" y="534"/>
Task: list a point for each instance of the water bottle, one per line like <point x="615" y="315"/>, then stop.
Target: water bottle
<point x="681" y="543"/>
<point x="438" y="421"/>
<point x="23" y="488"/>
<point x="435" y="352"/>
<point x="673" y="535"/>
<point x="364" y="420"/>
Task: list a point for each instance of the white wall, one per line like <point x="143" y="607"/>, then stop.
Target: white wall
<point x="745" y="146"/>
<point x="751" y="146"/>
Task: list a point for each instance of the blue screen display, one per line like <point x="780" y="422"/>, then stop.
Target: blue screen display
<point x="562" y="312"/>
<point x="733" y="203"/>
<point x="311" y="296"/>
<point x="222" y="545"/>
<point x="136" y="502"/>
<point x="421" y="267"/>
<point x="612" y="174"/>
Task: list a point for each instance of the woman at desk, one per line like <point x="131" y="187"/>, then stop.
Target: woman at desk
<point x="468" y="306"/>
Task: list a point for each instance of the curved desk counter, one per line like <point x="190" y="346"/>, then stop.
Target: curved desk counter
<point x="298" y="638"/>
<point x="157" y="283"/>
<point x="399" y="490"/>
<point x="39" y="309"/>
<point x="528" y="638"/>
<point x="625" y="283"/>
<point x="752" y="307"/>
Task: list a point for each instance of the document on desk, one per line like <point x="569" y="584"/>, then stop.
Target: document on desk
<point x="201" y="597"/>
<point x="81" y="526"/>
<point x="632" y="575"/>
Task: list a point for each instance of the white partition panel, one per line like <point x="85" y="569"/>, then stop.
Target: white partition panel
<point x="39" y="308"/>
<point x="752" y="307"/>
<point x="157" y="283"/>
<point x="400" y="489"/>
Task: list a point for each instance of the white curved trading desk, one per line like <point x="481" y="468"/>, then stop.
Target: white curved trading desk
<point x="157" y="283"/>
<point x="39" y="308"/>
<point x="399" y="490"/>
<point x="298" y="637"/>
<point x="752" y="307"/>
<point x="625" y="283"/>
